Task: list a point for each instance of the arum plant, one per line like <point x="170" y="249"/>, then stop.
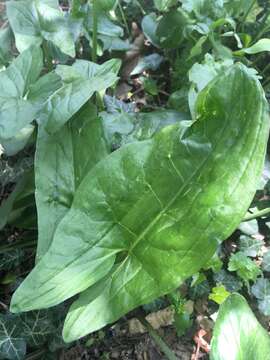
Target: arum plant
<point x="118" y="228"/>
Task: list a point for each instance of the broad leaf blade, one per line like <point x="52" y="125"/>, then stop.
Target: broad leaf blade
<point x="238" y="334"/>
<point x="178" y="176"/>
<point x="33" y="21"/>
<point x="80" y="82"/>
<point x="16" y="111"/>
<point x="62" y="160"/>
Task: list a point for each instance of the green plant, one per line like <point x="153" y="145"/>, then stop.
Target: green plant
<point x="126" y="206"/>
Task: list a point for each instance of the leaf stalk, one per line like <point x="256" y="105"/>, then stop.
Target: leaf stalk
<point x="256" y="215"/>
<point x="95" y="31"/>
<point x="158" y="340"/>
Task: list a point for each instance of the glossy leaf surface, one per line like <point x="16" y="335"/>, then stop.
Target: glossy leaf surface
<point x="162" y="178"/>
<point x="237" y="333"/>
<point x="80" y="82"/>
<point x="33" y="21"/>
<point x="62" y="160"/>
<point x="16" y="110"/>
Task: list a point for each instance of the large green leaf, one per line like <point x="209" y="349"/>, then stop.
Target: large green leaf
<point x="62" y="160"/>
<point x="237" y="334"/>
<point x="63" y="157"/>
<point x="80" y="82"/>
<point x="33" y="21"/>
<point x="16" y="110"/>
<point x="76" y="149"/>
<point x="141" y="202"/>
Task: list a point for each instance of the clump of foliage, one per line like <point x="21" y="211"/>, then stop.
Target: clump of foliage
<point x="131" y="198"/>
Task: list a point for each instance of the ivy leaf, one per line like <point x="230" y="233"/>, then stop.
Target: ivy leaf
<point x="266" y="261"/>
<point x="36" y="327"/>
<point x="246" y="269"/>
<point x="237" y="333"/>
<point x="230" y="282"/>
<point x="11" y="259"/>
<point x="249" y="227"/>
<point x="199" y="290"/>
<point x="34" y="21"/>
<point x="215" y="264"/>
<point x="125" y="259"/>
<point x="12" y="343"/>
<point x="16" y="110"/>
<point x="219" y="294"/>
<point x="261" y="289"/>
<point x="250" y="246"/>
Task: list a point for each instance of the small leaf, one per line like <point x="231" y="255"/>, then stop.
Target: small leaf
<point x="230" y="282"/>
<point x="250" y="246"/>
<point x="261" y="289"/>
<point x="259" y="46"/>
<point x="5" y="46"/>
<point x="12" y="344"/>
<point x="150" y="62"/>
<point x="170" y="29"/>
<point x="246" y="269"/>
<point x="249" y="227"/>
<point x="219" y="294"/>
<point x="113" y="105"/>
<point x="149" y="27"/>
<point x="15" y="144"/>
<point x="266" y="261"/>
<point x="238" y="334"/>
<point x="215" y="264"/>
<point x="36" y="327"/>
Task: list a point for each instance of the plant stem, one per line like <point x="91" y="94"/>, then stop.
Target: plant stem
<point x="248" y="12"/>
<point x="123" y="17"/>
<point x="47" y="55"/>
<point x="257" y="214"/>
<point x="264" y="27"/>
<point x="95" y="31"/>
<point x="158" y="340"/>
<point x="36" y="355"/>
<point x="265" y="69"/>
<point x="140" y="6"/>
<point x="6" y="248"/>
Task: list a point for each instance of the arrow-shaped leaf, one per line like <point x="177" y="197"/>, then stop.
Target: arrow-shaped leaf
<point x="161" y="205"/>
<point x="237" y="334"/>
